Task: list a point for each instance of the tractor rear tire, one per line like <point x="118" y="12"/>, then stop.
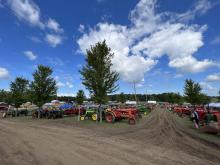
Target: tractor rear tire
<point x="131" y="121"/>
<point x="109" y="117"/>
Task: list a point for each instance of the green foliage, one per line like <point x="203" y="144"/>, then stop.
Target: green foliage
<point x="5" y="96"/>
<point x="80" y="97"/>
<point x="204" y="99"/>
<point x="192" y="92"/>
<point x="43" y="87"/>
<point x="121" y="98"/>
<point x="163" y="97"/>
<point x="19" y="89"/>
<point x="97" y="75"/>
<point x="219" y="95"/>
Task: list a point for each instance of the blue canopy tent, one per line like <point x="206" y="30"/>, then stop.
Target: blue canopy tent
<point x="66" y="106"/>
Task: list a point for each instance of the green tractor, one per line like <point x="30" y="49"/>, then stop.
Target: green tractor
<point x="90" y="113"/>
<point x="143" y="109"/>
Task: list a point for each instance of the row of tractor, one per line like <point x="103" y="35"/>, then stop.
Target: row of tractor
<point x="209" y="117"/>
<point x="108" y="113"/>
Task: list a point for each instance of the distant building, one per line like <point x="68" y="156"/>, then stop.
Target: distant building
<point x="151" y="102"/>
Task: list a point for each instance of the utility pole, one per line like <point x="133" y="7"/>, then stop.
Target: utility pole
<point x="134" y="86"/>
<point x="146" y="96"/>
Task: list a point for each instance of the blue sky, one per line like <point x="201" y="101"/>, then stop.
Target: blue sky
<point x="157" y="44"/>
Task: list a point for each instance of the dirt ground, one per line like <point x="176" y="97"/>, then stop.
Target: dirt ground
<point x="160" y="138"/>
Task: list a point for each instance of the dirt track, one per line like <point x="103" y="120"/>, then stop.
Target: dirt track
<point x="161" y="139"/>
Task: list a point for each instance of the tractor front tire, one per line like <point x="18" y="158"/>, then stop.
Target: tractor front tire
<point x="82" y="118"/>
<point x="94" y="117"/>
<point x="109" y="117"/>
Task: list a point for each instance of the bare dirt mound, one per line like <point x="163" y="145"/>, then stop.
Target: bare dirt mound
<point x="160" y="139"/>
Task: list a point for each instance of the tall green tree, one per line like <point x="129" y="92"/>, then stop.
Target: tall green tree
<point x="19" y="89"/>
<point x="43" y="88"/>
<point x="97" y="75"/>
<point x="192" y="92"/>
<point x="80" y="97"/>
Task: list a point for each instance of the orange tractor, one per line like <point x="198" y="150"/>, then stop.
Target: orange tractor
<point x="117" y="114"/>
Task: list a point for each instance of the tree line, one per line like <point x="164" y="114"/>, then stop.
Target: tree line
<point x="98" y="78"/>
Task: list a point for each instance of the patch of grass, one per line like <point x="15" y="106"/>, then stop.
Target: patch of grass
<point x="206" y="136"/>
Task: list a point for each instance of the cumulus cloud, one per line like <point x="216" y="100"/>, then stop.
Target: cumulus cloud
<point x="213" y="77"/>
<point x="53" y="39"/>
<point x="54" y="25"/>
<point x="4" y="73"/>
<point x="139" y="46"/>
<point x="28" y="11"/>
<point x="30" y="55"/>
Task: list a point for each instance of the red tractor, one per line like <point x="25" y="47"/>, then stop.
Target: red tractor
<point x="114" y="114"/>
<point x="182" y="111"/>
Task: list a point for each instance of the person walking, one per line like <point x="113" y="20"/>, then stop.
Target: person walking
<point x="195" y="117"/>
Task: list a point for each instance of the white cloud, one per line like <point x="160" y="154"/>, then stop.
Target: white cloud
<point x="178" y="75"/>
<point x="81" y="28"/>
<point x="209" y="89"/>
<point x="4" y="73"/>
<point x="69" y="85"/>
<point x="54" y="25"/>
<point x="216" y="40"/>
<point x="30" y="55"/>
<point x="66" y="94"/>
<point x="26" y="10"/>
<point x="200" y="7"/>
<point x="213" y="77"/>
<point x="55" y="61"/>
<point x="35" y="39"/>
<point x="53" y="39"/>
<point x="60" y="84"/>
<point x="151" y="35"/>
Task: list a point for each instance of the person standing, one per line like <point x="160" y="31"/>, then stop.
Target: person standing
<point x="195" y="117"/>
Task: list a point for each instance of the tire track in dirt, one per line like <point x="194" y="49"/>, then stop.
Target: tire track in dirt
<point x="158" y="140"/>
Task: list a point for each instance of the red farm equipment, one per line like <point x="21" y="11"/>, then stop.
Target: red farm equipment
<point x="74" y="111"/>
<point x="182" y="111"/>
<point x="114" y="114"/>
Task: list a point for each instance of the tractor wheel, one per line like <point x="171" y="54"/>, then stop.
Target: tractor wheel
<point x="131" y="121"/>
<point x="82" y="118"/>
<point x="94" y="117"/>
<point x="109" y="117"/>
